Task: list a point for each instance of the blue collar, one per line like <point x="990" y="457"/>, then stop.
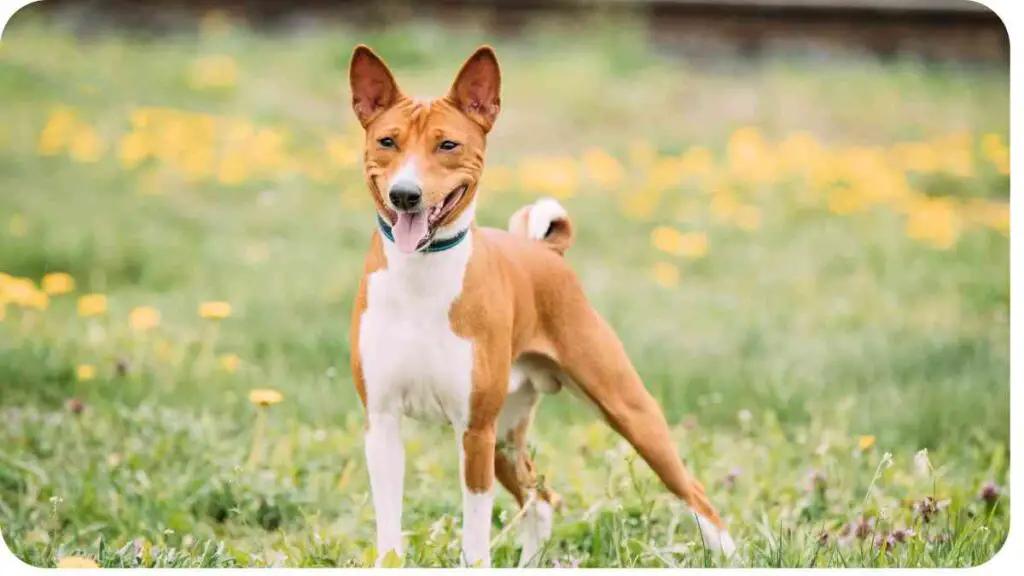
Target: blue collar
<point x="433" y="246"/>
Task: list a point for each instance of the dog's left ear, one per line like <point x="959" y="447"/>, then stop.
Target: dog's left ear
<point x="477" y="88"/>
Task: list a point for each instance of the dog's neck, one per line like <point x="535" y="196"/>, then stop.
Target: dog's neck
<point x="461" y="229"/>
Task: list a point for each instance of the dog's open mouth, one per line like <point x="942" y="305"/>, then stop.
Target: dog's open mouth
<point x="414" y="230"/>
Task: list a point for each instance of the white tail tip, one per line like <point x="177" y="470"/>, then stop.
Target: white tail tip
<point x="542" y="214"/>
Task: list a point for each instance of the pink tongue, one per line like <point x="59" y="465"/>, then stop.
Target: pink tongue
<point x="410" y="230"/>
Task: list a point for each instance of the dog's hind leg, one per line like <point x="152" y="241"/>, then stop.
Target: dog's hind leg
<point x="592" y="355"/>
<point x="516" y="472"/>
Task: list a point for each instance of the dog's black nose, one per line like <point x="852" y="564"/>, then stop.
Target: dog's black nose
<point x="405" y="196"/>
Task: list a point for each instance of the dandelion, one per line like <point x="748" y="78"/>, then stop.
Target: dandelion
<point x="697" y="161"/>
<point x="934" y="222"/>
<point x="57" y="283"/>
<point x="133" y="149"/>
<point x="232" y="169"/>
<point x="86" y="146"/>
<point x="85" y="372"/>
<point x="92" y="305"/>
<point x="215" y="310"/>
<point x="230" y="362"/>
<point x="57" y="132"/>
<point x="665" y="274"/>
<point x="262" y="398"/>
<point x="143" y="318"/>
<point x="865" y="442"/>
<point x="693" y="245"/>
<point x="77" y="562"/>
<point x="602" y="168"/>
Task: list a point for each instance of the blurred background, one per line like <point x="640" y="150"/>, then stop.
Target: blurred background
<point x="795" y="214"/>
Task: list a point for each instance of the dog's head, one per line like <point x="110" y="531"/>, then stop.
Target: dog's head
<point x="423" y="159"/>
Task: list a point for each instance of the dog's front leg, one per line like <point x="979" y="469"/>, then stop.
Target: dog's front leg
<point x="476" y="469"/>
<point x="385" y="459"/>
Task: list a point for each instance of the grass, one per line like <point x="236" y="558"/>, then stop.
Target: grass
<point x="812" y="303"/>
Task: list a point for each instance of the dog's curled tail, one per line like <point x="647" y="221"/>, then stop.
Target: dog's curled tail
<point x="546" y="221"/>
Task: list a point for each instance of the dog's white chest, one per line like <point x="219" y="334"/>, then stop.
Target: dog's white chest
<point x="413" y="363"/>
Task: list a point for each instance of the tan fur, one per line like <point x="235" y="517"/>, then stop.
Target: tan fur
<point x="520" y="298"/>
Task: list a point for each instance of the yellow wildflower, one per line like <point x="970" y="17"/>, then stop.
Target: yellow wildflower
<point x="86" y="145"/>
<point x="666" y="239"/>
<point x="696" y="161"/>
<point x="143" y="318"/>
<point x="85" y="372"/>
<point x="602" y="168"/>
<point x="693" y="245"/>
<point x="552" y="176"/>
<point x="934" y="222"/>
<point x="232" y="169"/>
<point x="134" y="148"/>
<point x="265" y="397"/>
<point x="215" y="310"/>
<point x="77" y="562"/>
<point x="21" y="291"/>
<point x="58" y="283"/>
<point x="865" y="442"/>
<point x="92" y="305"/>
<point x="38" y="300"/>
<point x="665" y="274"/>
<point x="229" y="362"/>
<point x="57" y="132"/>
<point x="996" y="152"/>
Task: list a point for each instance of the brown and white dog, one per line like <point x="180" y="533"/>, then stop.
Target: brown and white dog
<point x="471" y="325"/>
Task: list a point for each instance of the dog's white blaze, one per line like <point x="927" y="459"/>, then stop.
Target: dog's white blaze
<point x="717" y="540"/>
<point x="537" y="526"/>
<point x="385" y="459"/>
<point x="542" y="214"/>
<point x="406" y="174"/>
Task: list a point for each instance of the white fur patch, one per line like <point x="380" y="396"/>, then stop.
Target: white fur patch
<point x="413" y="363"/>
<point x="537" y="522"/>
<point x="542" y="214"/>
<point x="385" y="459"/>
<point x="476" y="516"/>
<point x="717" y="540"/>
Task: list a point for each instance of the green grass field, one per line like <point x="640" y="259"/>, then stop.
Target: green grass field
<point x="807" y="261"/>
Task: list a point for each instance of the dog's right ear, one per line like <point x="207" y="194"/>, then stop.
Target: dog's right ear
<point x="373" y="86"/>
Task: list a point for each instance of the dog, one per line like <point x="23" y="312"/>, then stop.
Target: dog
<point x="470" y="326"/>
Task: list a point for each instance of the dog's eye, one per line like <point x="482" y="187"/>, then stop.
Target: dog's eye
<point x="387" y="142"/>
<point x="447" y="145"/>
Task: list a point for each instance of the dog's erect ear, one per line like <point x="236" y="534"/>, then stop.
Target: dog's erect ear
<point x="373" y="86"/>
<point x="477" y="88"/>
